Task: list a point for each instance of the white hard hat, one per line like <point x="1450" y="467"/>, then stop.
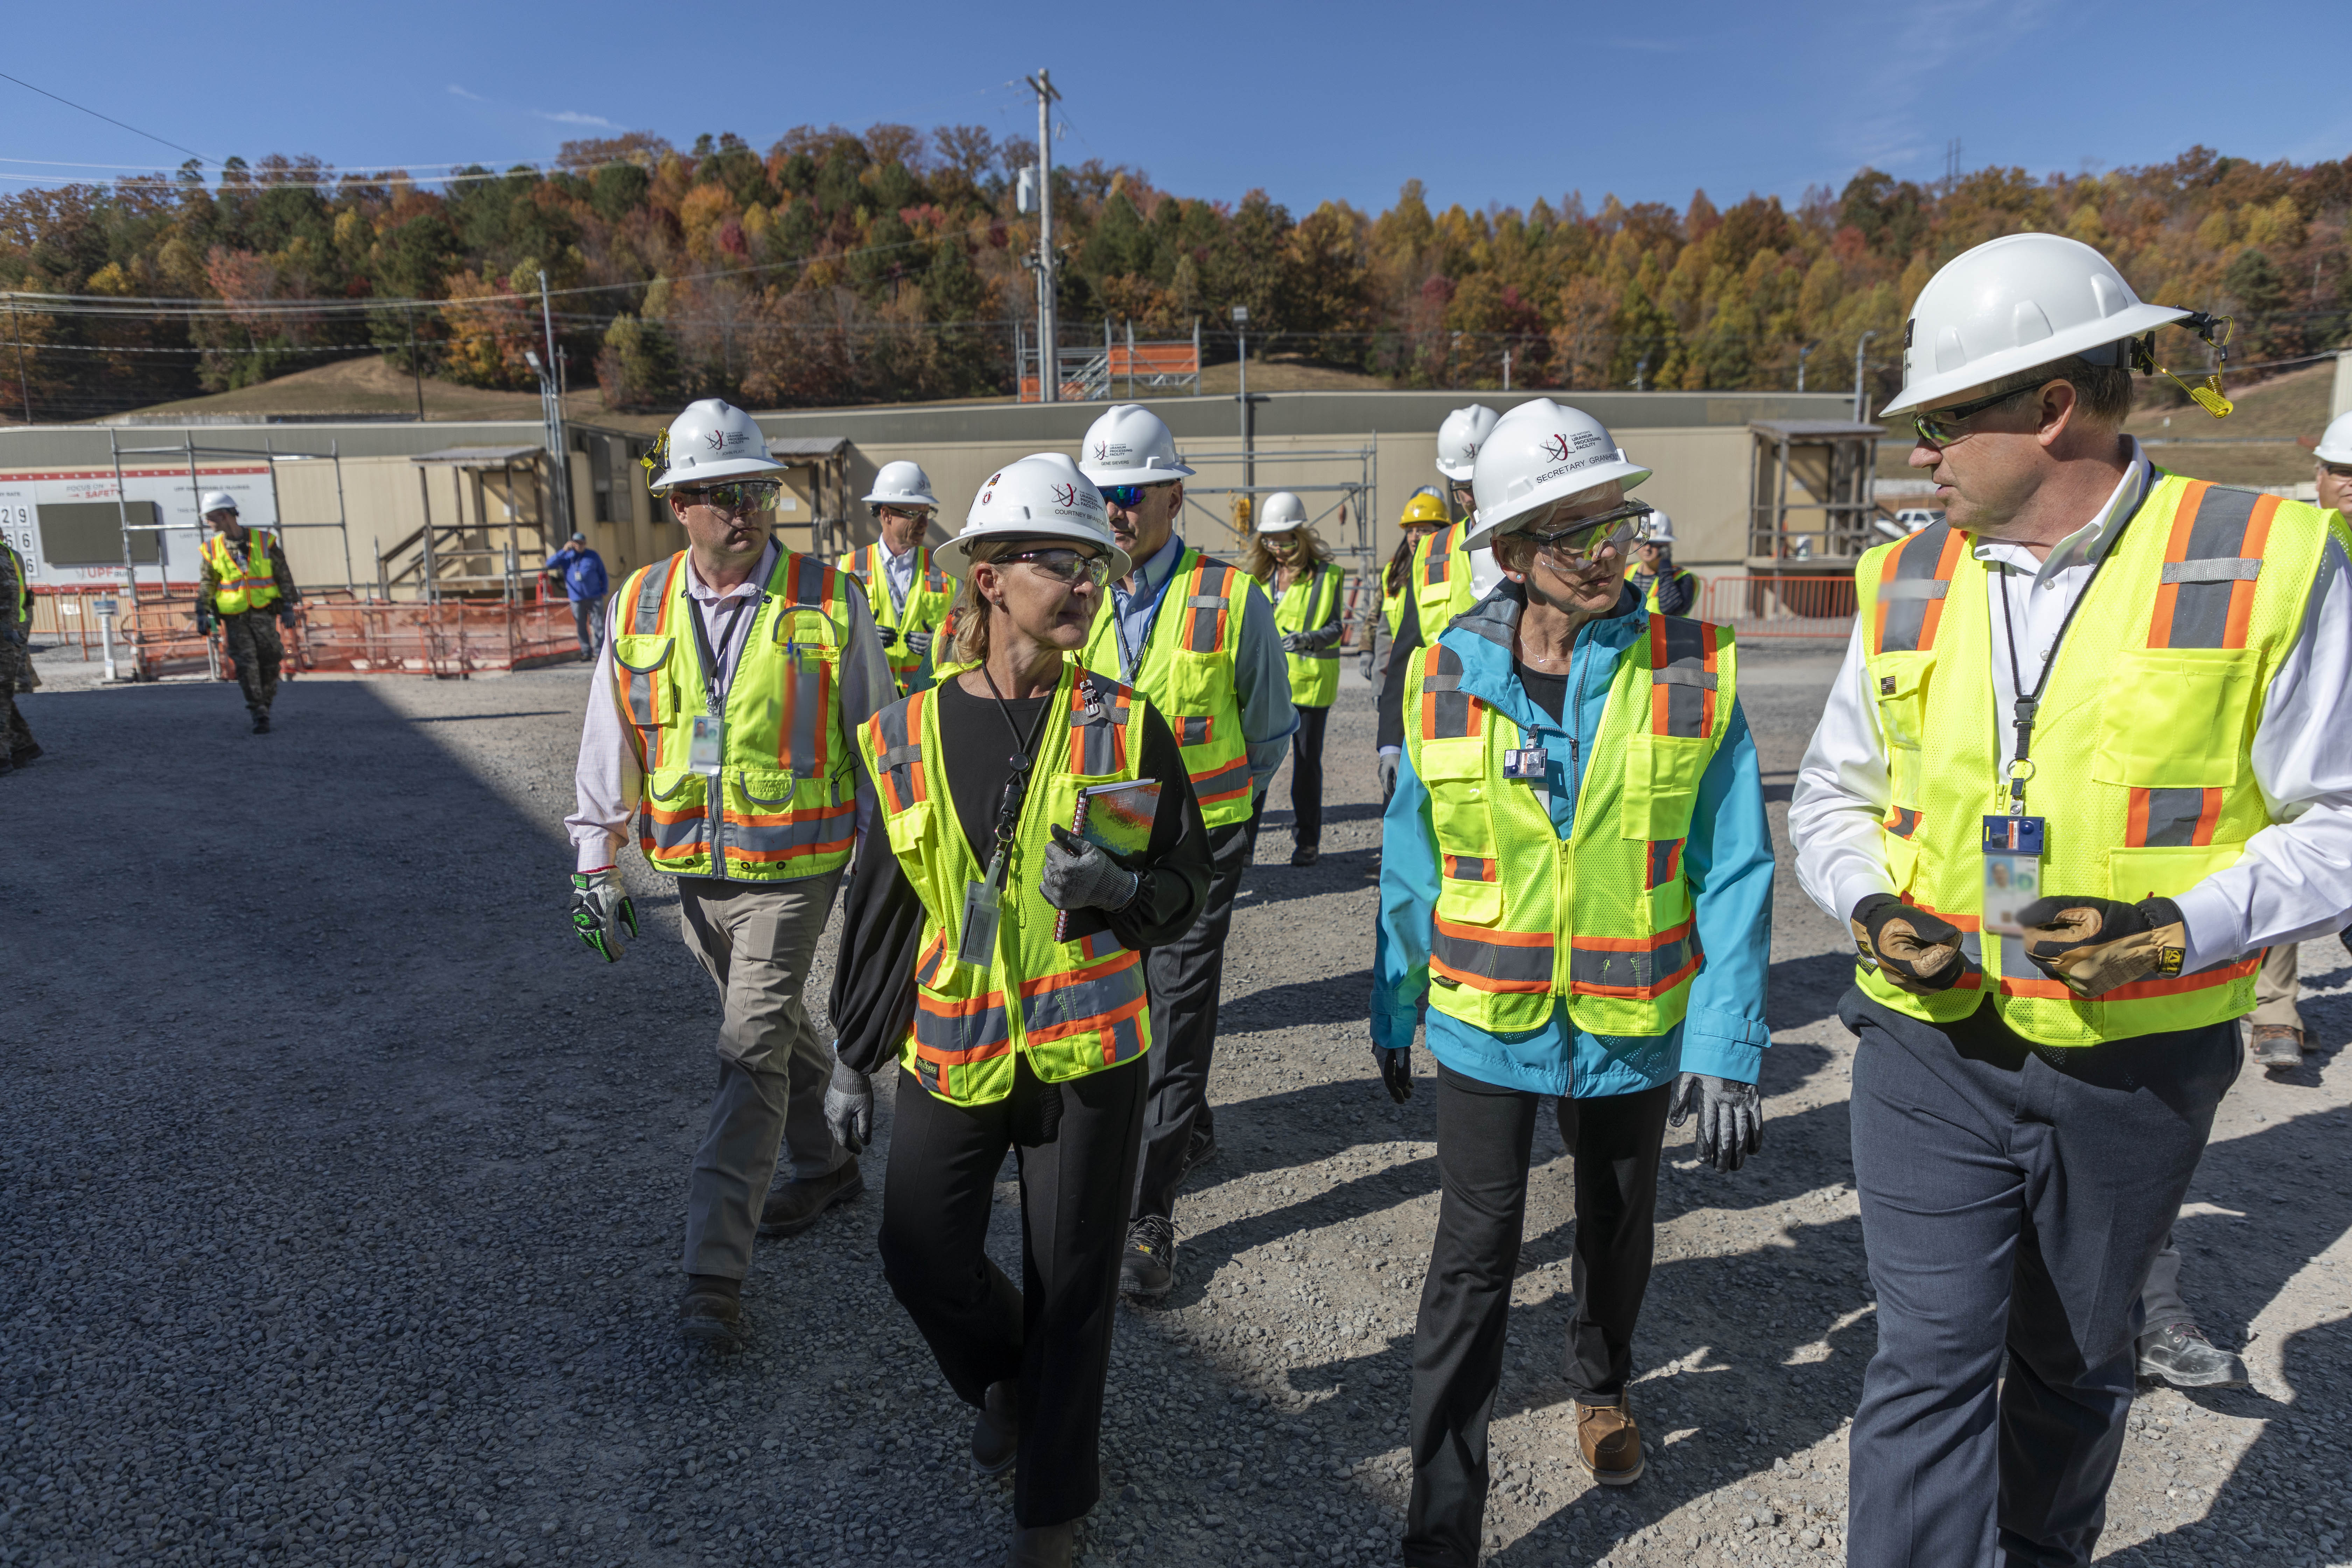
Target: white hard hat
<point x="1130" y="445"/>
<point x="2335" y="446"/>
<point x="1459" y="438"/>
<point x="218" y="500"/>
<point x="714" y="440"/>
<point x="902" y="484"/>
<point x="1539" y="453"/>
<point x="1660" y="529"/>
<point x="1284" y="513"/>
<point x="2010" y="304"/>
<point x="1040" y="497"/>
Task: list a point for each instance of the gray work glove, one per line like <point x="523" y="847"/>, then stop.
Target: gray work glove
<point x="599" y="908"/>
<point x="1730" y="1118"/>
<point x="1387" y="768"/>
<point x="1080" y="875"/>
<point x="849" y="1106"/>
<point x="919" y="643"/>
<point x="1294" y="642"/>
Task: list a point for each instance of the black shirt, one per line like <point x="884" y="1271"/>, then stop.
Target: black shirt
<point x="1546" y="690"/>
<point x="873" y="1000"/>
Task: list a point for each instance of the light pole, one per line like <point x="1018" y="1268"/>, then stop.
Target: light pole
<point x="1803" y="350"/>
<point x="1859" y="344"/>
<point x="1049" y="369"/>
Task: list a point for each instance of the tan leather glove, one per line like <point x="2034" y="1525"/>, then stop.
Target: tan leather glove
<point x="2093" y="945"/>
<point x="1914" y="950"/>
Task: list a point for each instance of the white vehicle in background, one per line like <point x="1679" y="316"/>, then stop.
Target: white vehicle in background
<point x="1909" y="521"/>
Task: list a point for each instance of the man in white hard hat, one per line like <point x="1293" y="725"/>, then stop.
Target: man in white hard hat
<point x="2090" y="753"/>
<point x="1195" y="636"/>
<point x="719" y="731"/>
<point x="1447" y="577"/>
<point x="907" y="595"/>
<point x="248" y="588"/>
<point x="1666" y="588"/>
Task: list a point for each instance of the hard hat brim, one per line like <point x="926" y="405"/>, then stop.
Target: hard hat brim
<point x="902" y="497"/>
<point x="2128" y="323"/>
<point x="1460" y="471"/>
<point x="715" y="473"/>
<point x="2328" y="454"/>
<point x="1105" y="475"/>
<point x="954" y="557"/>
<point x="1283" y="525"/>
<point x="1485" y="529"/>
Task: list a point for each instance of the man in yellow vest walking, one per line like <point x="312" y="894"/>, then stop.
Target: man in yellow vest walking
<point x="721" y="731"/>
<point x="1447" y="576"/>
<point x="247" y="586"/>
<point x="1195" y="636"/>
<point x="17" y="746"/>
<point x="906" y="594"/>
<point x="2090" y="753"/>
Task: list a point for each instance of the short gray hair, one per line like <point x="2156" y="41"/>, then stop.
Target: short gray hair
<point x="2104" y="390"/>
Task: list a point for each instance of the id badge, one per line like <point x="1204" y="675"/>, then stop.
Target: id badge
<point x="1526" y="763"/>
<point x="2012" y="870"/>
<point x="707" y="747"/>
<point x="981" y="908"/>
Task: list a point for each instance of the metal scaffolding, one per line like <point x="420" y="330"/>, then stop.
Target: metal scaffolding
<point x="1337" y="494"/>
<point x="191" y="451"/>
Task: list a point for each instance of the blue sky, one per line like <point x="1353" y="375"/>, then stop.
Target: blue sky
<point x="1485" y="105"/>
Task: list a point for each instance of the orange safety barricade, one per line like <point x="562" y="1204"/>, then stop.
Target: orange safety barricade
<point x="1779" y="607"/>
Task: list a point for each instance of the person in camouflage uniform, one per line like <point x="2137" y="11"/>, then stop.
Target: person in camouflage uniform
<point x="248" y="588"/>
<point x="17" y="746"/>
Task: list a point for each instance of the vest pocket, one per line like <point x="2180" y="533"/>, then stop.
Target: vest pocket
<point x="2176" y="717"/>
<point x="1662" y="776"/>
<point x="2164" y="872"/>
<point x="1899" y="682"/>
<point x="643" y="691"/>
<point x="1472" y="904"/>
<point x="1455" y="774"/>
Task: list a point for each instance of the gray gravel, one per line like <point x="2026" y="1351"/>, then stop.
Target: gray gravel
<point x="339" y="1195"/>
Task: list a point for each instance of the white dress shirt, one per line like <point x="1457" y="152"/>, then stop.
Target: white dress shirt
<point x="899" y="575"/>
<point x="2294" y="879"/>
<point x="609" y="781"/>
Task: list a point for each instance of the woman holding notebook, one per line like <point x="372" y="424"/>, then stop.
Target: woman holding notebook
<point x="1040" y="834"/>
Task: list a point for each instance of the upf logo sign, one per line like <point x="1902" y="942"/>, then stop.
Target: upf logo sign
<point x="1066" y="495"/>
<point x="1101" y="451"/>
<point x="1556" y="449"/>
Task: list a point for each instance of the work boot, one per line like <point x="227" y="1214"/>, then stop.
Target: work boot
<point x="1148" y="1267"/>
<point x="1608" y="1443"/>
<point x="1305" y="855"/>
<point x="1045" y="1545"/>
<point x="2181" y="1354"/>
<point x="2277" y="1046"/>
<point x="793" y="1206"/>
<point x="25" y="753"/>
<point x="996" y="1435"/>
<point x="710" y="1314"/>
<point x="261" y="723"/>
<point x="1199" y="1150"/>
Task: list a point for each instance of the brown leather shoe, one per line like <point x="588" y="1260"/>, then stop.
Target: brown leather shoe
<point x="1608" y="1443"/>
<point x="793" y="1206"/>
<point x="2277" y="1046"/>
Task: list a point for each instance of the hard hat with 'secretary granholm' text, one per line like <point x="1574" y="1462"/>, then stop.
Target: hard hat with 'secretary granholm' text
<point x="714" y="440"/>
<point x="902" y="484"/>
<point x="218" y="500"/>
<point x="1284" y="513"/>
<point x="1539" y="453"/>
<point x="2335" y="446"/>
<point x="1042" y="496"/>
<point x="1132" y="446"/>
<point x="1425" y="509"/>
<point x="1459" y="438"/>
<point x="2010" y="304"/>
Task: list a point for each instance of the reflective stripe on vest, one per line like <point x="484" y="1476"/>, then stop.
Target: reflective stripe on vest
<point x="1650" y="599"/>
<point x="788" y="806"/>
<point x="1187" y="672"/>
<point x="931" y="600"/>
<point x="1309" y="604"/>
<point x="1075" y="1008"/>
<point x="1440" y="580"/>
<point x="245" y="582"/>
<point x="2142" y="764"/>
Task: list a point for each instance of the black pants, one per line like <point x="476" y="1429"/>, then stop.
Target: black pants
<point x="1076" y="1144"/>
<point x="1183" y="978"/>
<point x="2013" y="1197"/>
<point x="1307" y="775"/>
<point x="1483" y="1137"/>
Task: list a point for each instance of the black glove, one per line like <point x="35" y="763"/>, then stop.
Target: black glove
<point x="1294" y="642"/>
<point x="1912" y="949"/>
<point x="286" y="614"/>
<point x="2093" y="945"/>
<point x="1396" y="1072"/>
<point x="1386" y="769"/>
<point x="1080" y="874"/>
<point x="1730" y="1118"/>
<point x="204" y="620"/>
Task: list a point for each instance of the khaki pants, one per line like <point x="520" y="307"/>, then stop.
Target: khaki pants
<point x="756" y="939"/>
<point x="2275" y="985"/>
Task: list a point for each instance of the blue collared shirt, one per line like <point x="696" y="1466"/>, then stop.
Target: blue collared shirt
<point x="1261" y="679"/>
<point x="1728" y="858"/>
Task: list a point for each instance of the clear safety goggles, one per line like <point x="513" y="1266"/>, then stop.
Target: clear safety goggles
<point x="1572" y="543"/>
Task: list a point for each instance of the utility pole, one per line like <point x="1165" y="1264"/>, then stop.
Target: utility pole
<point x="553" y="400"/>
<point x="24" y="387"/>
<point x="415" y="370"/>
<point x="1859" y="344"/>
<point x="1803" y="352"/>
<point x="1249" y="425"/>
<point x="1049" y="370"/>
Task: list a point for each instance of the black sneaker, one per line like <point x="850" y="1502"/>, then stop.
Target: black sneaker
<point x="261" y="723"/>
<point x="2181" y="1354"/>
<point x="1199" y="1150"/>
<point x="1305" y="855"/>
<point x="1148" y="1267"/>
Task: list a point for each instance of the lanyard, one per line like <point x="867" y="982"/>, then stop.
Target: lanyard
<point x="2028" y="703"/>
<point x="716" y="678"/>
<point x="1129" y="657"/>
<point x="1016" y="782"/>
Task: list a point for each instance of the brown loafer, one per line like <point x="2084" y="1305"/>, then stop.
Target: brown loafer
<point x="793" y="1206"/>
<point x="2277" y="1046"/>
<point x="1608" y="1443"/>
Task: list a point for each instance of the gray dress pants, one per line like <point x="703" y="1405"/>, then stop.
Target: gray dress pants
<point x="2013" y="1197"/>
<point x="756" y="939"/>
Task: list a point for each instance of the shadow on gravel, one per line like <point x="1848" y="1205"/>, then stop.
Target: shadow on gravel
<point x="1336" y="871"/>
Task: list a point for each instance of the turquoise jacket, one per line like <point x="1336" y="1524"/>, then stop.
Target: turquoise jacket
<point x="1729" y="860"/>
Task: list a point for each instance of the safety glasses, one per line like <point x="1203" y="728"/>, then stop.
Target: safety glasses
<point x="1283" y="543"/>
<point x="1127" y="497"/>
<point x="1066" y="567"/>
<point x="1941" y="427"/>
<point x="1577" y="542"/>
<point x="742" y="497"/>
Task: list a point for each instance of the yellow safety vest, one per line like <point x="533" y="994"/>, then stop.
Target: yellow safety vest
<point x="929" y="596"/>
<point x="242" y="583"/>
<point x="2141" y="759"/>
<point x="23" y="583"/>
<point x="1650" y="595"/>
<point x="1074" y="1008"/>
<point x="1441" y="580"/>
<point x="1604" y="917"/>
<point x="1393" y="603"/>
<point x="1305" y="606"/>
<point x="787" y="781"/>
<point x="1187" y="672"/>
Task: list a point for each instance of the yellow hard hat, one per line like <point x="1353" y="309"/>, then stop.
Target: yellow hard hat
<point x="1426" y="508"/>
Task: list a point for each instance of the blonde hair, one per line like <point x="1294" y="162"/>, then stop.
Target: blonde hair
<point x="1258" y="562"/>
<point x="969" y="617"/>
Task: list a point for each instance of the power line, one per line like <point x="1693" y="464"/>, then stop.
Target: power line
<point x="69" y="103"/>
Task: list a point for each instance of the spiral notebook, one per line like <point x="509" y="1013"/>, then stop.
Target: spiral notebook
<point x="1119" y="816"/>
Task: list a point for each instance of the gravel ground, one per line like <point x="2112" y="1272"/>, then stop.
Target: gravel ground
<point x="343" y="1194"/>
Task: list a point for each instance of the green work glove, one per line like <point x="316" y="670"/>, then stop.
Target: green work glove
<point x="599" y="908"/>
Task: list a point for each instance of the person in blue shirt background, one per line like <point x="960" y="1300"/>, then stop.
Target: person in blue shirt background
<point x="584" y="584"/>
<point x="1542" y="651"/>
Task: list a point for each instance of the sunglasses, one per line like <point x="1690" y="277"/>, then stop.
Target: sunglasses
<point x="1127" y="497"/>
<point x="1580" y="541"/>
<point x="1066" y="566"/>
<point x="1940" y="427"/>
<point x="745" y="496"/>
